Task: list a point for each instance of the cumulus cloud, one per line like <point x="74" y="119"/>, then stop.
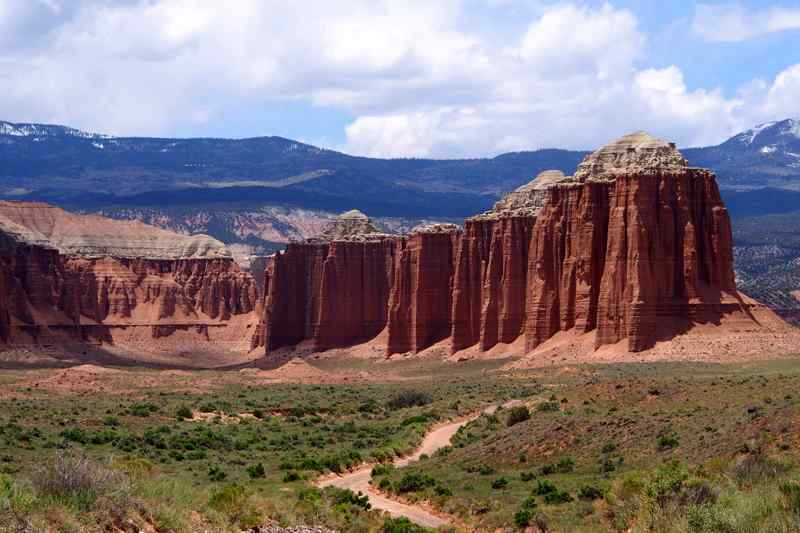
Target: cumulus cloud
<point x="418" y="78"/>
<point x="734" y="23"/>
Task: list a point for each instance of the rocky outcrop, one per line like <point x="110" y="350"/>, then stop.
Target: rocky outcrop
<point x="420" y="301"/>
<point x="80" y="278"/>
<point x="489" y="288"/>
<point x="635" y="247"/>
<point x="332" y="290"/>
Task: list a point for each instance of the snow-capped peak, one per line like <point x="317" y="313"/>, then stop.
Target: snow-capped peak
<point x="793" y="127"/>
<point x="788" y="127"/>
<point x="46" y="130"/>
<point x="750" y="135"/>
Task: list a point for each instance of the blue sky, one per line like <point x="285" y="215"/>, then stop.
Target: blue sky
<point x="448" y="78"/>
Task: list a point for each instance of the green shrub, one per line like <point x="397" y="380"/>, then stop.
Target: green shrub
<point x="518" y="414"/>
<point x="500" y="483"/>
<point x="589" y="493"/>
<point x="666" y="442"/>
<point x="415" y="481"/>
<point x="401" y="525"/>
<point x="382" y="469"/>
<point x="557" y="497"/>
<point x="256" y="471"/>
<point x="548" y="407"/>
<point x="544" y="486"/>
<point x="346" y="497"/>
<point x="791" y="495"/>
<point x="546" y="470"/>
<point x="183" y="413"/>
<point x="609" y="447"/>
<point x="529" y="503"/>
<point x="215" y="473"/>
<point x="291" y="476"/>
<point x="207" y="407"/>
<point x="232" y="501"/>
<point x="565" y="465"/>
<point x="409" y="398"/>
<point x="527" y="476"/>
<point x="142" y="409"/>
<point x="523" y="518"/>
<point x="442" y="490"/>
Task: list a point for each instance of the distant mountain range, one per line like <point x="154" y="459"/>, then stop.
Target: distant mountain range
<point x="61" y="162"/>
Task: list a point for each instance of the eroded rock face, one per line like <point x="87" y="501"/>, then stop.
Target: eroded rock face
<point x="332" y="290"/>
<point x="420" y="301"/>
<point x="489" y="287"/>
<point x="48" y="283"/>
<point x="636" y="246"/>
<point x="93" y="236"/>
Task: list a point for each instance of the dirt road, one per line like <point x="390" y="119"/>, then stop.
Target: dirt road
<point x="358" y="480"/>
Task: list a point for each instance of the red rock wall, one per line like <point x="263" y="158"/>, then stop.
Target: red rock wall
<point x="669" y="257"/>
<point x="357" y="278"/>
<point x="292" y="300"/>
<point x="43" y="289"/>
<point x="566" y="260"/>
<point x="642" y="258"/>
<point x="489" y="287"/>
<point x="420" y="303"/>
<point x="333" y="294"/>
<point x="5" y="318"/>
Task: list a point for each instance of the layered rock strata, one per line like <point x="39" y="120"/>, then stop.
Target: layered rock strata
<point x="491" y="271"/>
<point x="635" y="247"/>
<point x="89" y="279"/>
<point x="421" y="298"/>
<point x="332" y="290"/>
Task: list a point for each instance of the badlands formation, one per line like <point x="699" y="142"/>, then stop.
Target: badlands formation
<point x="73" y="282"/>
<point x="632" y="253"/>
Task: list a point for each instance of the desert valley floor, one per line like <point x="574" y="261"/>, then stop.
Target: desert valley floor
<point x="663" y="446"/>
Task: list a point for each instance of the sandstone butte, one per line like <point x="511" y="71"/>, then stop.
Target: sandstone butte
<point x="68" y="279"/>
<point x="633" y="249"/>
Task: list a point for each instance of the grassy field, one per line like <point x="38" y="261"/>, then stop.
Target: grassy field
<point x="228" y="457"/>
<point x="661" y="447"/>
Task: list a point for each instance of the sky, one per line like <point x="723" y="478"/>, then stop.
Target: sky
<point x="407" y="78"/>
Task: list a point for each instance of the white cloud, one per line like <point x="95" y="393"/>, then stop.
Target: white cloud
<point x="734" y="23"/>
<point x="420" y="78"/>
<point x="570" y="39"/>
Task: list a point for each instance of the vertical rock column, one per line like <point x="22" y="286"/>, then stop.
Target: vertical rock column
<point x="292" y="301"/>
<point x="5" y="319"/>
<point x="420" y="301"/>
<point x="356" y="281"/>
<point x="505" y="284"/>
<point x="669" y="259"/>
<point x="472" y="257"/>
<point x="566" y="261"/>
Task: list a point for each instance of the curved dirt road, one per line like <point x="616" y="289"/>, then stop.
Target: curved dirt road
<point x="358" y="480"/>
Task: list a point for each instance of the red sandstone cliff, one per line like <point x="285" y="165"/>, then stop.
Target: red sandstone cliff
<point x="635" y="247"/>
<point x="334" y="290"/>
<point x="72" y="279"/>
<point x="420" y="302"/>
